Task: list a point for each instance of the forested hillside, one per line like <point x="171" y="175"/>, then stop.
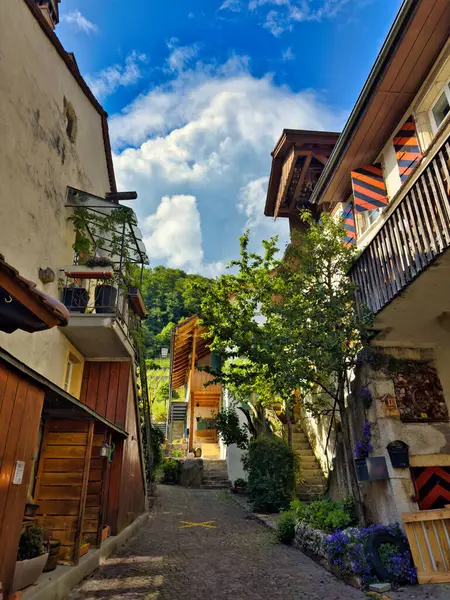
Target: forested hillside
<point x="170" y="296"/>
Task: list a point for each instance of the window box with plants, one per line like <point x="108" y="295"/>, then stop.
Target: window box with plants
<point x="32" y="557"/>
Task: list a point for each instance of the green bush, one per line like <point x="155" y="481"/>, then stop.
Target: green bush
<point x="270" y="464"/>
<point x="240" y="482"/>
<point x="325" y="514"/>
<point x="170" y="469"/>
<point x="31" y="543"/>
<point x="286" y="527"/>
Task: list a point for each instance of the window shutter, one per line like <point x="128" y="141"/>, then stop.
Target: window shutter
<point x="369" y="189"/>
<point x="407" y="149"/>
<point x="349" y="224"/>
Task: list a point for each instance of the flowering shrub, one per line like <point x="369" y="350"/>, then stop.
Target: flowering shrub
<point x="365" y="396"/>
<point x="348" y="553"/>
<point x="363" y="446"/>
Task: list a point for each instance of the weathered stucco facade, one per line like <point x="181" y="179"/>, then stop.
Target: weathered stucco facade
<point x="38" y="160"/>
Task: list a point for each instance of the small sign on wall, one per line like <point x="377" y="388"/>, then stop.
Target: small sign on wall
<point x="18" y="472"/>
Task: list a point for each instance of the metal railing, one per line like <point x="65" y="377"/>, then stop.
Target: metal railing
<point x="413" y="236"/>
<point x="106" y="296"/>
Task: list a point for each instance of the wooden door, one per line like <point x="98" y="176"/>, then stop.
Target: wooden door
<point x="20" y="413"/>
<point x="62" y="482"/>
<point x="428" y="533"/>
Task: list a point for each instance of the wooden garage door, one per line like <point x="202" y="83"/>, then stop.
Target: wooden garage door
<point x="20" y="414"/>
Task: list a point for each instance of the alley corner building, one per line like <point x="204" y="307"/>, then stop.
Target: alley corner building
<point x="70" y="426"/>
<point x="388" y="176"/>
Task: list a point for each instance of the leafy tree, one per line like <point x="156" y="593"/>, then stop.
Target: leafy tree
<point x="288" y="325"/>
<point x="170" y="295"/>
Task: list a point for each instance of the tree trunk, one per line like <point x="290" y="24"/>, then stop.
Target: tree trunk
<point x="354" y="485"/>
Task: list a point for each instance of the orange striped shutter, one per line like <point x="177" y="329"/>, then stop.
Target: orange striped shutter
<point x="348" y="219"/>
<point x="369" y="189"/>
<point x="407" y="149"/>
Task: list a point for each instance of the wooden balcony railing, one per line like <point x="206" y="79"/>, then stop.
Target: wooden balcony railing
<point x="414" y="234"/>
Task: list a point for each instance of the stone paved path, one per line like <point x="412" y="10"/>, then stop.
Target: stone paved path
<point x="237" y="560"/>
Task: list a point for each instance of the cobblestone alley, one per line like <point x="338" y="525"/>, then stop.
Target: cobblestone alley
<point x="200" y="546"/>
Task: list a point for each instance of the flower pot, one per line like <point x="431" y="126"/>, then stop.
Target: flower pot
<point x="52" y="561"/>
<point x="105" y="299"/>
<point x="399" y="456"/>
<point x="84" y="548"/>
<point x="28" y="572"/>
<point x="75" y="299"/>
<point x="30" y="510"/>
<point x="362" y="472"/>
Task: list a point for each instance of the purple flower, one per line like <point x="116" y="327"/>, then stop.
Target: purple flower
<point x="363" y="447"/>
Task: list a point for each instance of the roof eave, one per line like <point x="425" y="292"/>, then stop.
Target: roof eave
<point x="394" y="37"/>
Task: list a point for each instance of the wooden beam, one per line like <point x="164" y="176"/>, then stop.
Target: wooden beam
<point x="84" y="487"/>
<point x="301" y="179"/>
<point x="321" y="158"/>
<point x="287" y="170"/>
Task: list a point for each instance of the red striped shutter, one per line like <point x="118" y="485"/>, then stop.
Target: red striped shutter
<point x="369" y="189"/>
<point x="349" y="224"/>
<point x="407" y="149"/>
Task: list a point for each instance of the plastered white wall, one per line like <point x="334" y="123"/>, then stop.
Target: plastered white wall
<point x="37" y="163"/>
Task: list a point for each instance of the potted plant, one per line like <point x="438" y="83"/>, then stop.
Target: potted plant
<point x="399" y="454"/>
<point x="84" y="548"/>
<point x="240" y="486"/>
<point x="362" y="450"/>
<point x="30" y="508"/>
<point x="31" y="557"/>
<point x="105" y="298"/>
<point x="75" y="298"/>
<point x="170" y="470"/>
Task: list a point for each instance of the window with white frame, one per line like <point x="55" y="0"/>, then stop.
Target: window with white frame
<point x="68" y="377"/>
<point x="441" y="108"/>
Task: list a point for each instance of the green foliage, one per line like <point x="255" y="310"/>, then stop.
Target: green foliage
<point x="325" y="514"/>
<point x="170" y="295"/>
<point x="239" y="482"/>
<point x="229" y="428"/>
<point x="170" y="469"/>
<point x="31" y="543"/>
<point x="160" y="401"/>
<point x="157" y="442"/>
<point x="270" y="464"/>
<point x="286" y="527"/>
<point x="177" y="453"/>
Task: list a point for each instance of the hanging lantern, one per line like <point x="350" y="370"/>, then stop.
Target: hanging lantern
<point x="104" y="450"/>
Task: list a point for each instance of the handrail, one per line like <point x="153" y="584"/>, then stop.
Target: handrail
<point x="415" y="233"/>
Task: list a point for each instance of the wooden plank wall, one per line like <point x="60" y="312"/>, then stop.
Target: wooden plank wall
<point x="94" y="517"/>
<point x="63" y="481"/>
<point x="132" y="491"/>
<point x="20" y="414"/>
<point x="104" y="389"/>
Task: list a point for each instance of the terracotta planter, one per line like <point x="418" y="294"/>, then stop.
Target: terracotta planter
<point x="84" y="549"/>
<point x="28" y="572"/>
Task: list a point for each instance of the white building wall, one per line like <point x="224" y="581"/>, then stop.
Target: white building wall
<point x="37" y="163"/>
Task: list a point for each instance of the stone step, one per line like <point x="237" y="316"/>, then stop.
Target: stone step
<point x="218" y="477"/>
<point x="309" y="462"/>
<point x="307" y="498"/>
<point x="216" y="486"/>
<point x="304" y="452"/>
<point x="301" y="446"/>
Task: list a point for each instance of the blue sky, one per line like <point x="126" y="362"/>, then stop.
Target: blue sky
<point x="198" y="92"/>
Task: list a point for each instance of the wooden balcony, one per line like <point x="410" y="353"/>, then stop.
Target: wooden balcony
<point x="415" y="231"/>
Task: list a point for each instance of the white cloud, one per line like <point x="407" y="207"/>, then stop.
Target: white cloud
<point x="233" y="5"/>
<point x="173" y="234"/>
<point x="207" y="136"/>
<point x="180" y="56"/>
<point x="79" y="22"/>
<point x="288" y="54"/>
<point x="282" y="15"/>
<point x="107" y="81"/>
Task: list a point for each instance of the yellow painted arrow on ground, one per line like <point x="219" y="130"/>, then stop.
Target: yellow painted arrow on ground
<point x="206" y="525"/>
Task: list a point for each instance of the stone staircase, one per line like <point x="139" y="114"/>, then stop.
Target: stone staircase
<point x="313" y="483"/>
<point x="215" y="475"/>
